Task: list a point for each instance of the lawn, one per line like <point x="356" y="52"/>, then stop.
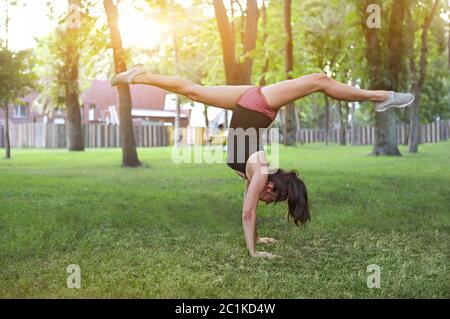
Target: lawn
<point x="174" y="231"/>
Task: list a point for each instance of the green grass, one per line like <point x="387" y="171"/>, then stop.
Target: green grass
<point x="174" y="231"/>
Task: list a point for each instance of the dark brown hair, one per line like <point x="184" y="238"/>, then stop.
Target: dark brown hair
<point x="288" y="186"/>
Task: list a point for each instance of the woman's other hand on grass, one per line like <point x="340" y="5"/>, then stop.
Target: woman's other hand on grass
<point x="267" y="241"/>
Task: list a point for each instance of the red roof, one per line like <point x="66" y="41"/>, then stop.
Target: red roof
<point x="103" y="95"/>
<point x="30" y="98"/>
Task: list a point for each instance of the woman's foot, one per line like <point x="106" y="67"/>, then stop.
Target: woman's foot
<point x="395" y="100"/>
<point x="128" y="76"/>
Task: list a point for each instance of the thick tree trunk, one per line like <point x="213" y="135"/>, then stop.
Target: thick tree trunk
<point x="129" y="153"/>
<point x="237" y="73"/>
<point x="385" y="123"/>
<point x="414" y="132"/>
<point x="251" y="34"/>
<point x="7" y="137"/>
<point x="385" y="129"/>
<point x="385" y="135"/>
<point x="227" y="37"/>
<point x="74" y="127"/>
<point x="73" y="112"/>
<point x="290" y="114"/>
<point x="290" y="125"/>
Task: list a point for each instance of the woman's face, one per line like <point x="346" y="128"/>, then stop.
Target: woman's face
<point x="267" y="195"/>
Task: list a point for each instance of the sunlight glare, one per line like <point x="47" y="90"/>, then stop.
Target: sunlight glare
<point x="138" y="30"/>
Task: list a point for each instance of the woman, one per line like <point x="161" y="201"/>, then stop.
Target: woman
<point x="254" y="109"/>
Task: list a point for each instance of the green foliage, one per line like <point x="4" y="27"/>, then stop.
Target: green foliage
<point x="16" y="76"/>
<point x="199" y="47"/>
<point x="87" y="43"/>
<point x="436" y="93"/>
<point x="327" y="36"/>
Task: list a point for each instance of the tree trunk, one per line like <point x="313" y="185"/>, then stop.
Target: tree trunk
<point x="263" y="81"/>
<point x="290" y="125"/>
<point x="414" y="125"/>
<point x="385" y="123"/>
<point x="129" y="153"/>
<point x="7" y="138"/>
<point x="396" y="44"/>
<point x="74" y="127"/>
<point x="178" y="135"/>
<point x="237" y="73"/>
<point x="315" y="112"/>
<point x="6" y="107"/>
<point x="385" y="135"/>
<point x="352" y="124"/>
<point x="385" y="129"/>
<point x="7" y="24"/>
<point x="290" y="114"/>
<point x="73" y="111"/>
<point x="205" y="114"/>
<point x="298" y="125"/>
<point x="343" y="124"/>
<point x="347" y="126"/>
<point x="327" y="120"/>
<point x="251" y="34"/>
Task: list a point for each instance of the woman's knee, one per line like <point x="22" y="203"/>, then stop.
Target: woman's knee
<point x="321" y="81"/>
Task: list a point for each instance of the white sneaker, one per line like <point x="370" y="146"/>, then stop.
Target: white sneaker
<point x="128" y="76"/>
<point x="395" y="100"/>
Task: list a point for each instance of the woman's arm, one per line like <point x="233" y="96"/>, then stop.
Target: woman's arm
<point x="247" y="183"/>
<point x="253" y="191"/>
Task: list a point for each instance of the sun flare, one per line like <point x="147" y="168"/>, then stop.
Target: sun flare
<point x="138" y="30"/>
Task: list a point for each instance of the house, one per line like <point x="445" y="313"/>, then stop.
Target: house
<point x="99" y="104"/>
<point x="150" y="105"/>
<point x="21" y="113"/>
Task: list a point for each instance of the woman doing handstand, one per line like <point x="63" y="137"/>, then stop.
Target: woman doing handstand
<point x="255" y="108"/>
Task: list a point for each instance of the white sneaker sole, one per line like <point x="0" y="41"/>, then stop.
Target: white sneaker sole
<point x="401" y="106"/>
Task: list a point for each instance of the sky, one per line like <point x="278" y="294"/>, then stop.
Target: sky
<point x="32" y="21"/>
<point x="26" y="23"/>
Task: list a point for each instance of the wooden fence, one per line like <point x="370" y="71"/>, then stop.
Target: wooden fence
<point x="40" y="135"/>
<point x="429" y="133"/>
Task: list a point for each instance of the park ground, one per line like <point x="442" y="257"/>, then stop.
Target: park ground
<point x="174" y="231"/>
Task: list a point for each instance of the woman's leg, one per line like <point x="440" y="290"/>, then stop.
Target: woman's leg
<point x="282" y="93"/>
<point x="224" y="97"/>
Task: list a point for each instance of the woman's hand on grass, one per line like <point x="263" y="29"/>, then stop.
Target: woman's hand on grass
<point x="267" y="241"/>
<point x="263" y="254"/>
